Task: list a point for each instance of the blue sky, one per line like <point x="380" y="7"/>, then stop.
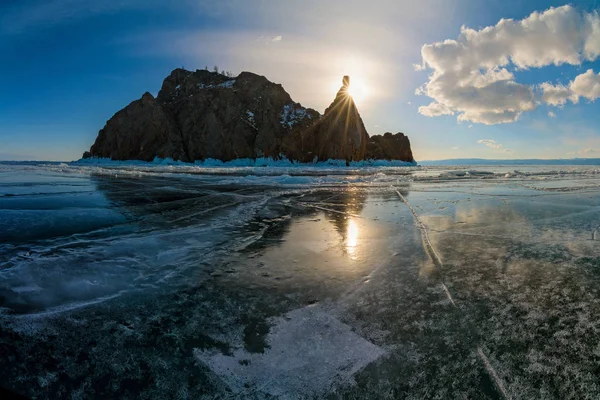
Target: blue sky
<point x="512" y="89"/>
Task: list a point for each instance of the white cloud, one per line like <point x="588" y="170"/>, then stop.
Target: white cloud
<point x="490" y="143"/>
<point x="583" y="152"/>
<point x="470" y="75"/>
<point x="470" y="126"/>
<point x="551" y="114"/>
<point x="556" y="95"/>
<point x="586" y="85"/>
<point x="435" y="110"/>
<point x="489" y="117"/>
<point x="268" y="39"/>
<point x="592" y="45"/>
<point x="455" y="148"/>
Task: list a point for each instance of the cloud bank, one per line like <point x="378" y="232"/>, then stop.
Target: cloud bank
<point x="471" y="76"/>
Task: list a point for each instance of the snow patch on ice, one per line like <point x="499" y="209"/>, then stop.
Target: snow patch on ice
<point x="310" y="351"/>
<point x="467" y="174"/>
<point x="26" y="288"/>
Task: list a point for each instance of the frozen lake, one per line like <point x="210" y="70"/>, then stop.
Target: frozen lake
<point x="138" y="280"/>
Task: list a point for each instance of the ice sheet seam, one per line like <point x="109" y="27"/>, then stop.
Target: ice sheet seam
<point x="430" y="250"/>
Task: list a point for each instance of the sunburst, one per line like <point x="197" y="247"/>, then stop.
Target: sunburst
<point x="358" y="90"/>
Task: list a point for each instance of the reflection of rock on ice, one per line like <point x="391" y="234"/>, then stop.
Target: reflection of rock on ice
<point x="310" y="350"/>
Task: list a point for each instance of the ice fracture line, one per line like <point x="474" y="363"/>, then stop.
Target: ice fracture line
<point x="432" y="253"/>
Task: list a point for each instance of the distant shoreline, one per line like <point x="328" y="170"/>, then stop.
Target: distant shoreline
<point x="531" y="161"/>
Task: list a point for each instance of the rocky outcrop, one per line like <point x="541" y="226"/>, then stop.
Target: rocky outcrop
<point x="202" y="114"/>
<point x="389" y="147"/>
<point x="340" y="134"/>
<point x="141" y="131"/>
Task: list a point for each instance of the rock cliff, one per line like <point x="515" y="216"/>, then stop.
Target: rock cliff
<point x="202" y="114"/>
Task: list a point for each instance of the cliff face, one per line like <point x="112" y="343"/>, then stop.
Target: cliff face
<point x="141" y="131"/>
<point x="202" y="114"/>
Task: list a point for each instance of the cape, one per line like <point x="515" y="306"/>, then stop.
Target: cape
<point x="203" y="114"/>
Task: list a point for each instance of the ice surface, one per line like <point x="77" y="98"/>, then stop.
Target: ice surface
<point x="217" y="280"/>
<point x="309" y="351"/>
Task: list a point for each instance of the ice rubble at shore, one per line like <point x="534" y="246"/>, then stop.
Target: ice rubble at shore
<point x="249" y="162"/>
<point x="283" y="166"/>
<point x="283" y="172"/>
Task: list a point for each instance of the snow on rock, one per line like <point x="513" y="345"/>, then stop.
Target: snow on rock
<point x="250" y="120"/>
<point x="291" y="114"/>
<point x="228" y="85"/>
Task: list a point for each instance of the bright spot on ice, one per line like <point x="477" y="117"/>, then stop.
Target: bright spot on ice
<point x="352" y="238"/>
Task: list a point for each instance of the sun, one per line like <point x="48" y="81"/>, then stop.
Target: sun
<point x="361" y="73"/>
<point x="358" y="90"/>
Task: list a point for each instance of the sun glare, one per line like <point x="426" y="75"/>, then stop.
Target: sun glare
<point x="360" y="71"/>
<point x="357" y="89"/>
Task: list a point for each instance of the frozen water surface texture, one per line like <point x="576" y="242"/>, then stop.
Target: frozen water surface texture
<point x="164" y="280"/>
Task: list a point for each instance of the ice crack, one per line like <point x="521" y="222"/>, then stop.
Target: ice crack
<point x="434" y="256"/>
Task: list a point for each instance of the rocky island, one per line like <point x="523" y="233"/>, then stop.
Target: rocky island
<point x="202" y="114"/>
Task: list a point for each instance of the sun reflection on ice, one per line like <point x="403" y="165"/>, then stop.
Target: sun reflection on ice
<point x="352" y="238"/>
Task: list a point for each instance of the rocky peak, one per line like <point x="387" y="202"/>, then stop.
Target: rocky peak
<point x="202" y="114"/>
<point x="344" y="90"/>
<point x="346" y="81"/>
<point x="340" y="133"/>
<point x="182" y="82"/>
<point x="147" y="98"/>
<point x="390" y="147"/>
